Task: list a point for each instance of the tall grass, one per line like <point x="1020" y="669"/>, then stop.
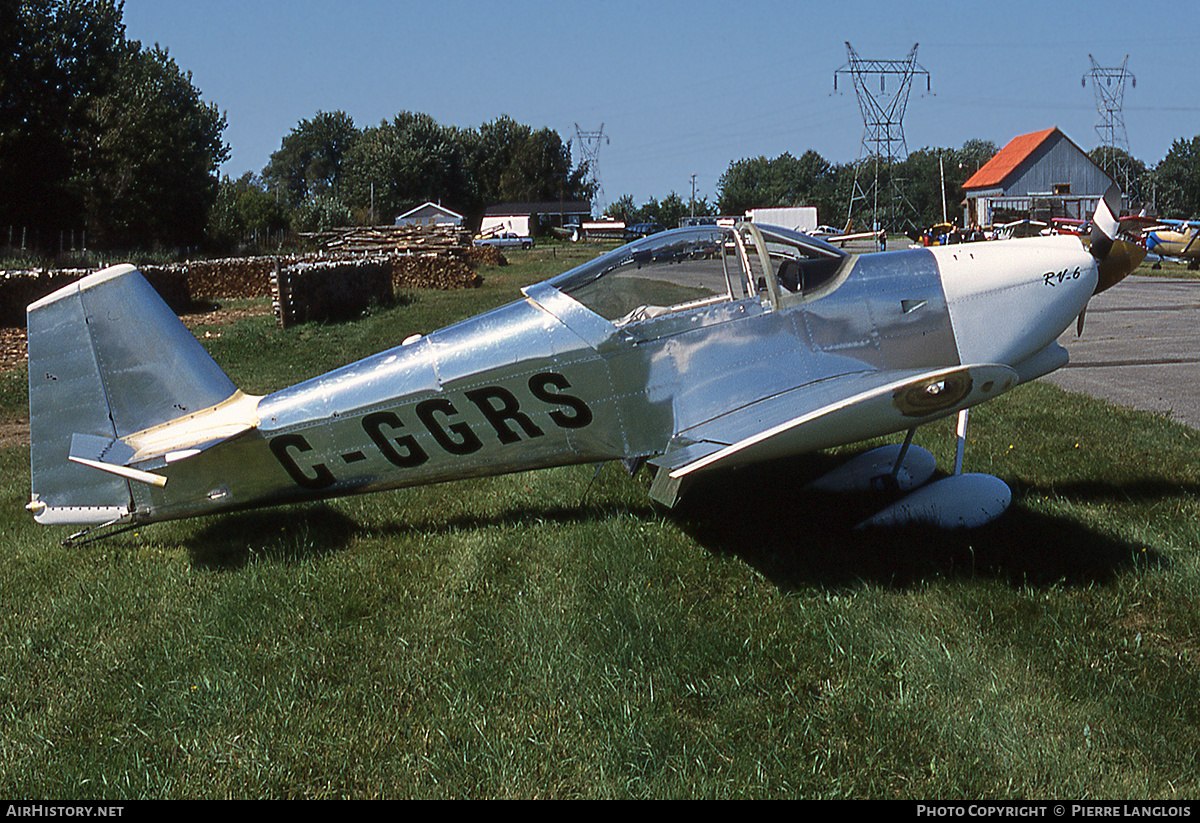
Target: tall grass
<point x="555" y="634"/>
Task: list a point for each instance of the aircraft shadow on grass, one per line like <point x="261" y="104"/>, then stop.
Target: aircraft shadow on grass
<point x="765" y="516"/>
<point x="800" y="537"/>
<point x="280" y="535"/>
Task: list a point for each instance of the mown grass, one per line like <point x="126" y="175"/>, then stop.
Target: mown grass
<point x="555" y="634"/>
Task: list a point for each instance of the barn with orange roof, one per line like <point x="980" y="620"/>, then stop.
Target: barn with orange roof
<point x="1039" y="176"/>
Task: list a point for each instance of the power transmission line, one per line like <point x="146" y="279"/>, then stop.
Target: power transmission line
<point x="1109" y="87"/>
<point x="883" y="128"/>
<point x="589" y="144"/>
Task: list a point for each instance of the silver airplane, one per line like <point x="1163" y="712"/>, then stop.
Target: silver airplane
<point x="693" y="350"/>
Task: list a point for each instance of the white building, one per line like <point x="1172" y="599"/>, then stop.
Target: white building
<point x="430" y="214"/>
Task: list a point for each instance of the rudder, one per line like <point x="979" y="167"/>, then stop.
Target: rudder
<point x="107" y="358"/>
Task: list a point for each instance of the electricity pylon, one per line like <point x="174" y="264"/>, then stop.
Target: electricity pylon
<point x="589" y="144"/>
<point x="883" y="128"/>
<point x="1109" y="87"/>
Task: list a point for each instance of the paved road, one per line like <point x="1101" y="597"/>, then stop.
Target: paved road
<point x="1139" y="348"/>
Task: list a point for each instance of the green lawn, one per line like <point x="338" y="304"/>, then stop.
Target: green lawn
<point x="556" y="634"/>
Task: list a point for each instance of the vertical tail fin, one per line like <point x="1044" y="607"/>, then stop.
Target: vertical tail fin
<point x="107" y="358"/>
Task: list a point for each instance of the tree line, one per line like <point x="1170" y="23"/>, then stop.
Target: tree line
<point x="100" y="135"/>
<point x="110" y="141"/>
<point x="328" y="172"/>
<point x="930" y="180"/>
<point x="810" y="180"/>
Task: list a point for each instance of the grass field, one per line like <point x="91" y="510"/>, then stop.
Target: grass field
<point x="557" y="635"/>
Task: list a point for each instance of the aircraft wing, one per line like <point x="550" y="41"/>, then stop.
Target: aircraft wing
<point x="818" y="415"/>
<point x="1138" y="224"/>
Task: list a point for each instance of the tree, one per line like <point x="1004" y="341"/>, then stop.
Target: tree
<point x="312" y="159"/>
<point x="932" y="181"/>
<point x="933" y="176"/>
<point x="622" y="209"/>
<point x="152" y="176"/>
<point x="412" y="159"/>
<point x="56" y="56"/>
<point x="492" y="152"/>
<point x="405" y="162"/>
<point x="320" y="212"/>
<point x="244" y="207"/>
<point x="973" y="155"/>
<point x="541" y="170"/>
<point x="784" y="181"/>
<point x="1126" y="170"/>
<point x="97" y="132"/>
<point x="668" y="213"/>
<point x="1178" y="179"/>
<point x="701" y="208"/>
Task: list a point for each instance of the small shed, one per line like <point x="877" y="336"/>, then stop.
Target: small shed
<point x="1039" y="176"/>
<point x="430" y="214"/>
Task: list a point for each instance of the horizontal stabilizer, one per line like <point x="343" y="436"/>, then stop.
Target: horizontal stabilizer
<point x="108" y="455"/>
<point x="167" y="443"/>
<point x="191" y="434"/>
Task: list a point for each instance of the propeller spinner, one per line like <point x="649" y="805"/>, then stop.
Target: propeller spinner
<point x="1115" y="259"/>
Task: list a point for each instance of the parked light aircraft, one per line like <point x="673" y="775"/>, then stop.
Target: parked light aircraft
<point x="693" y="350"/>
<point x="1176" y="239"/>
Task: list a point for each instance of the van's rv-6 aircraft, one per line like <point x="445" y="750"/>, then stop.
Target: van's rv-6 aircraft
<point x="695" y="349"/>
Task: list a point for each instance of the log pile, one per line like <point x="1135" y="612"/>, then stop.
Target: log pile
<point x="433" y="273"/>
<point x="228" y="278"/>
<point x="329" y="289"/>
<point x="484" y="256"/>
<point x="20" y="288"/>
<point x="416" y="257"/>
<point x="398" y="239"/>
<point x="341" y="289"/>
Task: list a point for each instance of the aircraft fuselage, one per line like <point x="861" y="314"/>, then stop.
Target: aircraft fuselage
<point x="688" y="348"/>
<point x="520" y="388"/>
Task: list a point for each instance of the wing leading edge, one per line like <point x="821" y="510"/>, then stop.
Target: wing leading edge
<point x="817" y="416"/>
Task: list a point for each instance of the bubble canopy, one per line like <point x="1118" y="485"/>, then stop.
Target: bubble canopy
<point x="699" y="265"/>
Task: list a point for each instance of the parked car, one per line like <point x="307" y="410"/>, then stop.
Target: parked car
<point x="506" y="240"/>
<point x="639" y="230"/>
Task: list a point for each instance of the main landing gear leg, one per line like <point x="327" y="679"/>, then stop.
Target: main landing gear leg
<point x="959" y="501"/>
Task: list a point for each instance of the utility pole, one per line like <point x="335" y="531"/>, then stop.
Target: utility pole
<point x="883" y="128"/>
<point x="693" y="208"/>
<point x="1109" y="87"/>
<point x="589" y="144"/>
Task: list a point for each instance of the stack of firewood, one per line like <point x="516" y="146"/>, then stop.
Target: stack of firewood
<point x="433" y="273"/>
<point x="329" y="289"/>
<point x="20" y="288"/>
<point x="416" y="257"/>
<point x="401" y="239"/>
<point x="228" y="278"/>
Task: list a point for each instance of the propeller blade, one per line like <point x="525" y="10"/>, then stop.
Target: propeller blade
<point x="1115" y="258"/>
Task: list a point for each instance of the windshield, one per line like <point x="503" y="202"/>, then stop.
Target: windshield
<point x="697" y="266"/>
<point x="662" y="273"/>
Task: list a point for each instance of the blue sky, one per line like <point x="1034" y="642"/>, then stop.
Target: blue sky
<point x="681" y="88"/>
